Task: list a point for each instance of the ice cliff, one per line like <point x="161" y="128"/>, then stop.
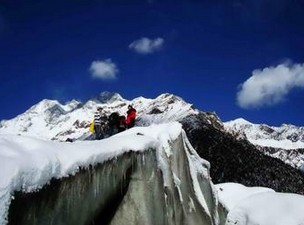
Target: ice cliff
<point x="149" y="175"/>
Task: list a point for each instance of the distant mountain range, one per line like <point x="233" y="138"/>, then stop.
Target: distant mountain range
<point x="237" y="150"/>
<point x="285" y="142"/>
<point x="52" y="120"/>
<point x="284" y="137"/>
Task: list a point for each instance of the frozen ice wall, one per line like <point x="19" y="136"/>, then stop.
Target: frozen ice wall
<point x="165" y="183"/>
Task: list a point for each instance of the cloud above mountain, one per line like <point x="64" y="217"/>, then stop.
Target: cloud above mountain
<point x="146" y="45"/>
<point x="104" y="69"/>
<point x="270" y="85"/>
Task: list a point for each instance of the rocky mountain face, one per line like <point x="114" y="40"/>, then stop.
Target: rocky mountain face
<point x="237" y="160"/>
<point x="232" y="158"/>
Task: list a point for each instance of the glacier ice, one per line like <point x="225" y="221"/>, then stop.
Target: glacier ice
<point x="165" y="183"/>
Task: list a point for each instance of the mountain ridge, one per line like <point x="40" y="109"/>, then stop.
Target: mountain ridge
<point x="49" y="119"/>
<point x="286" y="136"/>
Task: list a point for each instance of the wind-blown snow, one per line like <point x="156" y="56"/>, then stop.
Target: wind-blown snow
<point x="28" y="163"/>
<point x="257" y="205"/>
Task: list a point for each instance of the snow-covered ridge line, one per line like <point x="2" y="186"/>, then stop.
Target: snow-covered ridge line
<point x="50" y="120"/>
<point x="284" y="137"/>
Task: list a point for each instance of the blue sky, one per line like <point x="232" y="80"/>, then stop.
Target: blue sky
<point x="237" y="58"/>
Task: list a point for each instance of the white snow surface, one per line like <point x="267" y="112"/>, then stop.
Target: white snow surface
<point x="284" y="137"/>
<point x="258" y="205"/>
<point x="28" y="163"/>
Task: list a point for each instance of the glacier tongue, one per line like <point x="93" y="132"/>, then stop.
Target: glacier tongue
<point x="160" y="182"/>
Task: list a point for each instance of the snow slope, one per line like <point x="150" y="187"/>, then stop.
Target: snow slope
<point x="257" y="205"/>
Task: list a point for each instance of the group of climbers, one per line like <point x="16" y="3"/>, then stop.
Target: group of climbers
<point x="113" y="124"/>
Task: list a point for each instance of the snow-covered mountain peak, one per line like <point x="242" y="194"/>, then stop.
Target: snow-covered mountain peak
<point x="171" y="98"/>
<point x="51" y="120"/>
<point x="71" y="105"/>
<point x="53" y="105"/>
<point x="109" y="97"/>
<point x="289" y="126"/>
<point x="238" y="126"/>
<point x="242" y="121"/>
<point x="239" y="122"/>
<point x="43" y="105"/>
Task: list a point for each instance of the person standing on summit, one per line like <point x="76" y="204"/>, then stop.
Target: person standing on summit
<point x="131" y="116"/>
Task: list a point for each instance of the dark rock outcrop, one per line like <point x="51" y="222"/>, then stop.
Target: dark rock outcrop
<point x="234" y="160"/>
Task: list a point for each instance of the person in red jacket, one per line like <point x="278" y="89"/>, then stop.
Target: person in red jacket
<point x="131" y="116"/>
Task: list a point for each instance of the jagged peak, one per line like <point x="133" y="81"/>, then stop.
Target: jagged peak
<point x="163" y="98"/>
<point x="285" y="125"/>
<point x="72" y="102"/>
<point x="71" y="105"/>
<point x="141" y="98"/>
<point x="240" y="121"/>
<point x="109" y="97"/>
<point x="169" y="97"/>
<point x="43" y="105"/>
<point x="48" y="102"/>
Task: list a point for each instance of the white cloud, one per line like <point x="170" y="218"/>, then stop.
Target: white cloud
<point x="105" y="70"/>
<point x="146" y="45"/>
<point x="270" y="86"/>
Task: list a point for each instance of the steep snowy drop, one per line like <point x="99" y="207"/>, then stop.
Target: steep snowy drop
<point x="147" y="175"/>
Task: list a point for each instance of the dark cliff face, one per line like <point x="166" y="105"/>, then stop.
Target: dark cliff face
<point x="239" y="161"/>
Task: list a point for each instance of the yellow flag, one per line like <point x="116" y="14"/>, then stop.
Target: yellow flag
<point x="92" y="129"/>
